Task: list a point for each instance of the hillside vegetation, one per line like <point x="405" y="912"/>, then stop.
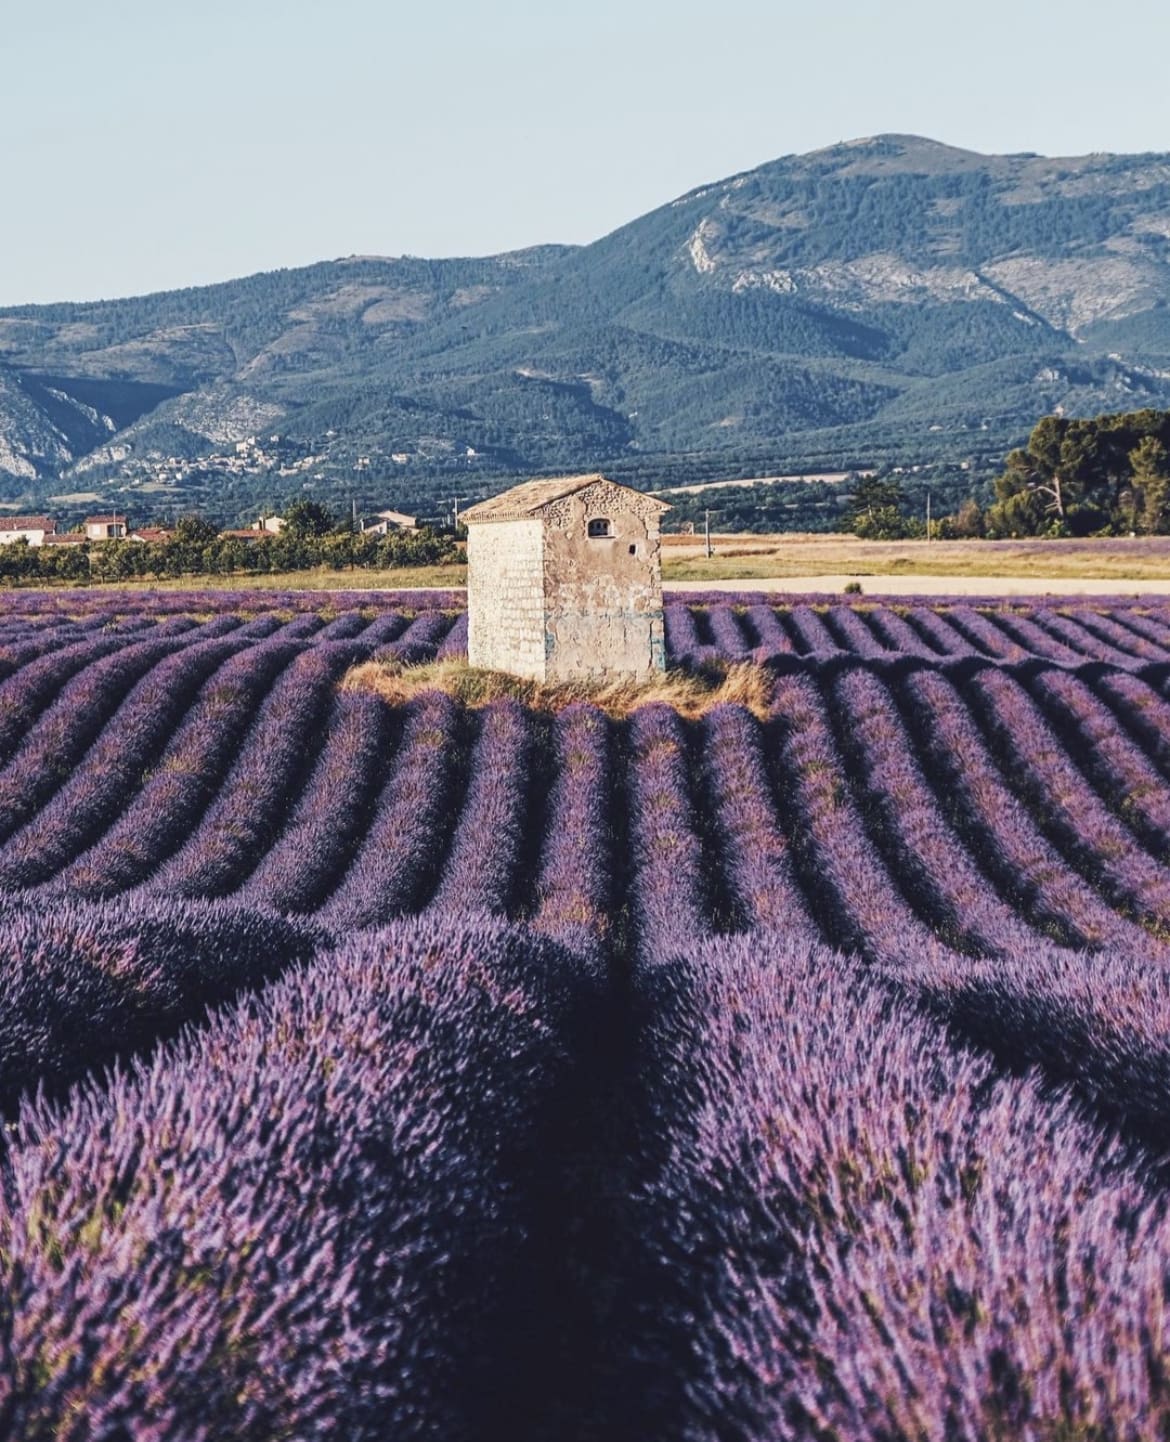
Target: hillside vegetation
<point x="885" y="298"/>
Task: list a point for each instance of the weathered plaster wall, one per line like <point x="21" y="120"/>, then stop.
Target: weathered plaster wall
<point x="505" y="597"/>
<point x="603" y="596"/>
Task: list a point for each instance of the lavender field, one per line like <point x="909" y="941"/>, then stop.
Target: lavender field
<point x="438" y="1072"/>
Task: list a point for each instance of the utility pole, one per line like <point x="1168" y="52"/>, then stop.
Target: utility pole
<point x="455" y="505"/>
<point x="707" y="532"/>
<point x="928" y="535"/>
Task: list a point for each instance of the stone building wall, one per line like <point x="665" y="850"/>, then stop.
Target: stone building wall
<point x="603" y="595"/>
<point x="505" y="598"/>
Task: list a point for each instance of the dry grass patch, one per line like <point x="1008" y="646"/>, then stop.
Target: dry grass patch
<point x="689" y="693"/>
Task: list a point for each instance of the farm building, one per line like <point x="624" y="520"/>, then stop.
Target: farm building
<point x="382" y="523"/>
<point x="33" y="529"/>
<point x="105" y="528"/>
<point x="564" y="580"/>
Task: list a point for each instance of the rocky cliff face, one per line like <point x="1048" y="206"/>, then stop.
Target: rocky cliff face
<point x="1069" y="242"/>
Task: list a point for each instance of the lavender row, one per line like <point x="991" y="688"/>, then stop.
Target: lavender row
<point x="881" y="1237"/>
<point x="85" y="984"/>
<point x="482" y="871"/>
<point x="328" y="821"/>
<point x="997" y="827"/>
<point x="1119" y="768"/>
<point x="100" y="605"/>
<point x="420" y="641"/>
<point x="320" y="1217"/>
<point x="920" y="845"/>
<point x="454" y="643"/>
<point x="1035" y="639"/>
<point x="158" y="819"/>
<point x="1143" y="713"/>
<point x="18" y="652"/>
<point x="1099" y="1024"/>
<point x="984" y="637"/>
<point x="733" y="631"/>
<point x="755" y="853"/>
<point x="66" y="730"/>
<point x="398" y="862"/>
<point x="1101" y="639"/>
<point x="575" y="891"/>
<point x="668" y="880"/>
<point x="29" y="691"/>
<point x="847" y="885"/>
<point x="93" y="796"/>
<point x="1070" y="811"/>
<point x="683" y="645"/>
<point x="254" y="798"/>
<point x="897" y="635"/>
<point x="940" y="632"/>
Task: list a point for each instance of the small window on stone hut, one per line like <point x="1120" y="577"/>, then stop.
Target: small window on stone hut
<point x="600" y="527"/>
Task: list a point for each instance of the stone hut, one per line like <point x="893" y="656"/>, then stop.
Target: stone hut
<point x="564" y="580"/>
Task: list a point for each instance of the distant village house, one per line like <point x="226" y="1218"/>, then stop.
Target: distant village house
<point x="382" y="523"/>
<point x="105" y="528"/>
<point x="33" y="529"/>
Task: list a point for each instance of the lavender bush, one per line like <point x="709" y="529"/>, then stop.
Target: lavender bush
<point x="245" y="818"/>
<point x="329" y="820"/>
<point x="482" y="870"/>
<point x="399" y="859"/>
<point x="575" y="892"/>
<point x="998" y="829"/>
<point x="159" y="818"/>
<point x="855" y="1231"/>
<point x="321" y="1217"/>
<point x="84" y="984"/>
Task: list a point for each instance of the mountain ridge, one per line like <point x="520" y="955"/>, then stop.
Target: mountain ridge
<point x="892" y="288"/>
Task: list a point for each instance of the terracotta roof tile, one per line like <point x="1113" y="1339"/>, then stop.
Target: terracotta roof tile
<point x="27" y="523"/>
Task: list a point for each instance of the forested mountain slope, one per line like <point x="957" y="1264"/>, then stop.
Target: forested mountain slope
<point x="888" y="296"/>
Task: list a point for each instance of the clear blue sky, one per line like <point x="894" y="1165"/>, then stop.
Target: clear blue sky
<point x="146" y="144"/>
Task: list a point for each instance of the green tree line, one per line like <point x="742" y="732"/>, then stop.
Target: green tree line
<point x="1107" y="476"/>
<point x="197" y="549"/>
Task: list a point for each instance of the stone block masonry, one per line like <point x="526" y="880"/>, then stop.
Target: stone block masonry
<point x="505" y="623"/>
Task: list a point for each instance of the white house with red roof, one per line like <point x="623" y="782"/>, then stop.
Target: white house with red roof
<point x="32" y="529"/>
